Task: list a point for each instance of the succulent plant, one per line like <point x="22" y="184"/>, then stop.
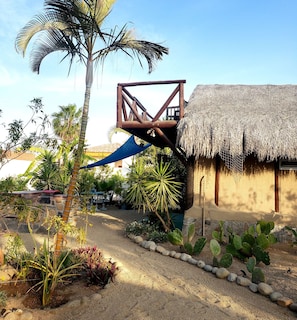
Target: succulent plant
<point x="225" y="260"/>
<point x="257" y="273"/>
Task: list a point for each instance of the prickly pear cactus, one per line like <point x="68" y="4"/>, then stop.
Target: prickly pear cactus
<point x="261" y="255"/>
<point x="191" y="232"/>
<point x="258" y="275"/>
<point x="215" y="262"/>
<point x="262" y="241"/>
<point x="251" y="263"/>
<point x="237" y="242"/>
<point x="215" y="247"/>
<point x="176" y="237"/>
<point x="226" y="260"/>
<point x="188" y="248"/>
<point x="199" y="245"/>
<point x="266" y="226"/>
<point x="249" y="239"/>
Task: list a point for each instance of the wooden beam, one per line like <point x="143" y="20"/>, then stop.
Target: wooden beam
<point x="170" y="145"/>
<point x="149" y="124"/>
<point x="166" y="104"/>
<point x="148" y="83"/>
<point x="181" y="100"/>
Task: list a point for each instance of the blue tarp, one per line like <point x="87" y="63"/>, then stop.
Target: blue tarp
<point x="128" y="149"/>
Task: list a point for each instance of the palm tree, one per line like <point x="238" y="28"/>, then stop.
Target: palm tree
<point x="66" y="123"/>
<point x="45" y="176"/>
<point x="74" y="26"/>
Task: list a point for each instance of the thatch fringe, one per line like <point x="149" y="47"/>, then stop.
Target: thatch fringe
<point x="241" y="119"/>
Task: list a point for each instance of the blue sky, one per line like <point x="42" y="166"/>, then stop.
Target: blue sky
<point x="210" y="42"/>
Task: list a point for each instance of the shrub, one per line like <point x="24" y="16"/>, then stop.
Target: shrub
<point x="99" y="271"/>
<point x="148" y="228"/>
<point x="157" y="236"/>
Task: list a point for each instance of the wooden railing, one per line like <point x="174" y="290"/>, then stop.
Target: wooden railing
<point x="132" y="114"/>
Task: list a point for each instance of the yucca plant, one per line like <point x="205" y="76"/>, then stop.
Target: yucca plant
<point x="155" y="190"/>
<point x="53" y="269"/>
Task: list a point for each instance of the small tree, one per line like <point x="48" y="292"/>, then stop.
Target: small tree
<point x="155" y="189"/>
<point x="19" y="138"/>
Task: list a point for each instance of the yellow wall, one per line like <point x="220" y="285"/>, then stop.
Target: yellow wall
<point x="244" y="197"/>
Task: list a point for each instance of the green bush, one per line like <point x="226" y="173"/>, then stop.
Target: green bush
<point x="157" y="236"/>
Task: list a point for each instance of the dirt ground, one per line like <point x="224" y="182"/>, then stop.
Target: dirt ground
<point x="151" y="286"/>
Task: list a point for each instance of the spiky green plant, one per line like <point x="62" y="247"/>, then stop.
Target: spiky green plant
<point x="53" y="269"/>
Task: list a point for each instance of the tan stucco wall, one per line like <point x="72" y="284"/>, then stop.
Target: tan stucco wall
<point x="243" y="197"/>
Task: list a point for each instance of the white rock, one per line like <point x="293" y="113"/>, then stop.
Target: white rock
<point x="172" y="253"/>
<point x="138" y="239"/>
<point x="185" y="257"/>
<point x="152" y="247"/>
<point x="177" y="255"/>
<point x="165" y="252"/>
<point x="192" y="261"/>
<point x="265" y="289"/>
<point x="160" y="249"/>
<point x="222" y="273"/>
<point x="201" y="264"/>
<point x="242" y="281"/>
<point x="214" y="270"/>
<point x="207" y="268"/>
<point x="253" y="287"/>
<point x="232" y="277"/>
<point x="149" y="243"/>
<point x="275" y="295"/>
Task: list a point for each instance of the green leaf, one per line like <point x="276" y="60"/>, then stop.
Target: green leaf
<point x="199" y="245"/>
<point x="188" y="248"/>
<point x="191" y="232"/>
<point x="215" y="247"/>
<point x="226" y="260"/>
<point x="176" y="237"/>
<point x="237" y="242"/>
<point x="251" y="263"/>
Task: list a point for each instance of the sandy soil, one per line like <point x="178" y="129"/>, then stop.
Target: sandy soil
<point x="151" y="286"/>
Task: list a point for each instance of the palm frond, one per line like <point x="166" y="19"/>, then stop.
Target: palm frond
<point x="125" y="41"/>
<point x="41" y="22"/>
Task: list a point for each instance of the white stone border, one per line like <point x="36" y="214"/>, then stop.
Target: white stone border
<point x="221" y="273"/>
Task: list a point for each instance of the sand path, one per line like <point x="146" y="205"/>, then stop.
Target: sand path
<point x="151" y="286"/>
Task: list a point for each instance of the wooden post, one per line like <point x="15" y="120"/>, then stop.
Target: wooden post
<point x="190" y="183"/>
<point x="119" y="106"/>
<point x="217" y="179"/>
<point x="276" y="186"/>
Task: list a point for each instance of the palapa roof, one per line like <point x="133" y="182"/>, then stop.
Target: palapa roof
<point x="241" y="119"/>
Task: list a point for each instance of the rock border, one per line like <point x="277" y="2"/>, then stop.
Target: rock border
<point x="221" y="273"/>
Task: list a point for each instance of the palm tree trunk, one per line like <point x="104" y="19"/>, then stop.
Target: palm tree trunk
<point x="77" y="160"/>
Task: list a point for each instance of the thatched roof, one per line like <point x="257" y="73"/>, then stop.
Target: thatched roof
<point x="241" y="119"/>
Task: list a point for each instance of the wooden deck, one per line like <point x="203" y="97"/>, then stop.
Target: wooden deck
<point x="159" y="129"/>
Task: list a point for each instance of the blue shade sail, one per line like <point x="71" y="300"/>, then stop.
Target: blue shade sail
<point x="128" y="149"/>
